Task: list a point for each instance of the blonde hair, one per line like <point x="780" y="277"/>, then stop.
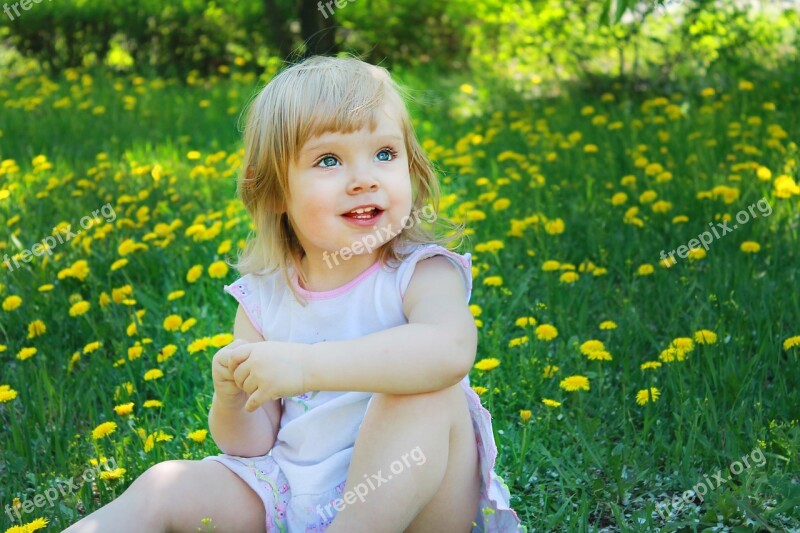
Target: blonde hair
<point x="316" y="96"/>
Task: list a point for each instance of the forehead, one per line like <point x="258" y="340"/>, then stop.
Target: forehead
<point x="381" y="121"/>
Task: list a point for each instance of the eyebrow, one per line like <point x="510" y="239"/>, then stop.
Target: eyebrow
<point x="317" y="146"/>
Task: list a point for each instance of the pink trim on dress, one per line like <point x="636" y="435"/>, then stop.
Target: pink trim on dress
<point x="333" y="293"/>
<point x="244" y="289"/>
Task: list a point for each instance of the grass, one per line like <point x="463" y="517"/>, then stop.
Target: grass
<point x="535" y="181"/>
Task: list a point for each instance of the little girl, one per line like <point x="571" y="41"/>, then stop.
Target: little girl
<point x="344" y="403"/>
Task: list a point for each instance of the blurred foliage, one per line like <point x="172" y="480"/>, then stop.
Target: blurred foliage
<point x="524" y="44"/>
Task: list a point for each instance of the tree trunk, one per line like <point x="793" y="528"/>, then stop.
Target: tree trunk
<point x="317" y="28"/>
<point x="276" y="21"/>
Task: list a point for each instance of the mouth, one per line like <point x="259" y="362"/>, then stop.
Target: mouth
<point x="365" y="213"/>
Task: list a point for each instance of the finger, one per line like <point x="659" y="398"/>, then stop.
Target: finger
<point x="250" y="385"/>
<point x="256" y="399"/>
<point x="238" y="355"/>
<point x="241" y="374"/>
<point x="235" y="343"/>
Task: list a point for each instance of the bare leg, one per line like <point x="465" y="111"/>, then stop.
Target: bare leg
<point x="419" y="454"/>
<point x="174" y="496"/>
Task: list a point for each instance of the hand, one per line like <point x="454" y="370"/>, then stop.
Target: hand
<point x="225" y="387"/>
<point x="268" y="370"/>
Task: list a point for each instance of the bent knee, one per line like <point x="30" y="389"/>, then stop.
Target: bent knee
<point x="421" y="397"/>
<point x="164" y="476"/>
<point x="444" y="400"/>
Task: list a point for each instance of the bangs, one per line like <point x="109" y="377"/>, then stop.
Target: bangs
<point x="329" y="98"/>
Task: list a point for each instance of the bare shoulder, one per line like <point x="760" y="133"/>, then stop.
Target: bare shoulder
<point x="243" y="328"/>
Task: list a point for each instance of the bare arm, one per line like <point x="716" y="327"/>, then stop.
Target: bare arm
<point x="435" y="350"/>
<point x="236" y="431"/>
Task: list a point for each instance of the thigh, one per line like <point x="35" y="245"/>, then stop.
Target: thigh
<point x="189" y="491"/>
<point x="455" y="504"/>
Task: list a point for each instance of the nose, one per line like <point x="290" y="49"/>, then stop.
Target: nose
<point x="361" y="178"/>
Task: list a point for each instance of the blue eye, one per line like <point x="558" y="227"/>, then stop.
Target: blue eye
<point x="392" y="154"/>
<point x="327" y="161"/>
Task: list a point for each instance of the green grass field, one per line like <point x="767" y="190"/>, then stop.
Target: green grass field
<point x="570" y="203"/>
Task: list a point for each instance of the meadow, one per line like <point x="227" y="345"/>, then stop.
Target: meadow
<point x="617" y="379"/>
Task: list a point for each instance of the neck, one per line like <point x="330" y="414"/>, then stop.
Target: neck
<point x="325" y="274"/>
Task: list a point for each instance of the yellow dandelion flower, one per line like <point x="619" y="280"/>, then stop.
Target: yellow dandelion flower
<point x="519" y="341"/>
<point x="568" y="277"/>
<point x="554" y="227"/>
<point x="151" y="404"/>
<point x="493" y="281"/>
<point x="695" y="254"/>
<point x="763" y="173"/>
<point x="119" y="263"/>
<point x="111" y="475"/>
<point x="194" y="155"/>
<point x="199" y="345"/>
<point x="172" y="323"/>
<point x="608" y="324"/>
<point x="124" y="409"/>
<point x="30" y="527"/>
<point x="166" y="352"/>
<point x="174" y="295"/>
<point x="551" y="265"/>
<point x="198" y="435"/>
<point x="221" y="339"/>
<point x="12" y="302"/>
<point x="785" y="186"/>
<point x="7" y="393"/>
<point x="92" y="346"/>
<point x="647" y="395"/>
<point x="705" y="336"/>
<point x="592" y="345"/>
<point x="574" y="383"/>
<point x="682" y="343"/>
<point x="36" y="328"/>
<point x="645" y="270"/>
<point x="487" y="364"/>
<point x="650" y="365"/>
<point x="194" y="273"/>
<point x="546" y="332"/>
<point x="551" y="403"/>
<point x="750" y="247"/>
<point x="525" y="415"/>
<point x="792" y="342"/>
<point x="135" y="352"/>
<point x="501" y="204"/>
<point x="619" y="198"/>
<point x="154" y="373"/>
<point x="187" y="324"/>
<point x="599" y="355"/>
<point x="79" y="308"/>
<point x="26" y="353"/>
<point x="525" y="321"/>
<point x="549" y="371"/>
<point x="103" y="430"/>
<point x="479" y="390"/>
<point x="647" y="196"/>
<point x="218" y="269"/>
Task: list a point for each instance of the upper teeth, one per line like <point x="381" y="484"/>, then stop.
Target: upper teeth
<point x="362" y="210"/>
